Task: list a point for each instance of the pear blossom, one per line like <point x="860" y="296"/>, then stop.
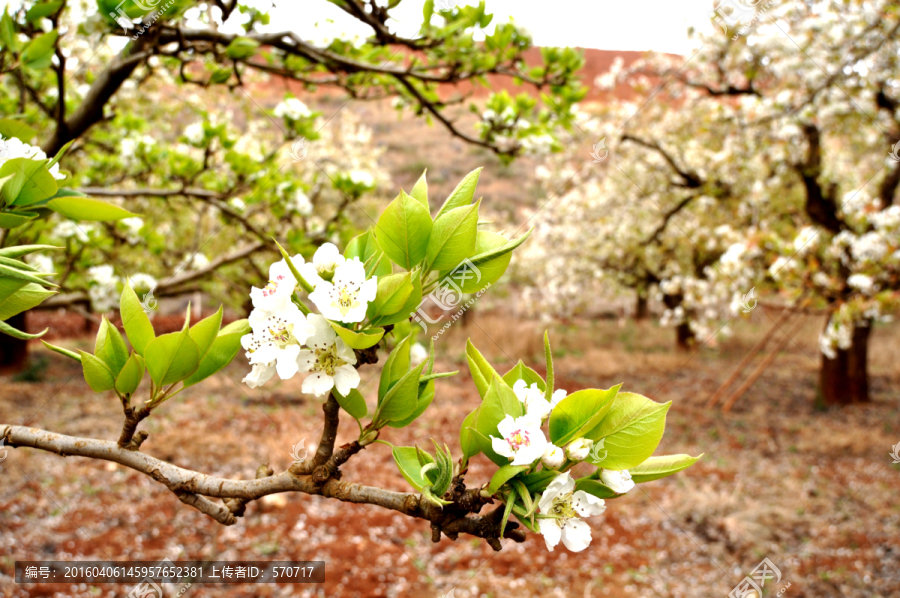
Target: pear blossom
<point x="330" y="360"/>
<point x="619" y="481"/>
<point x="553" y="457"/>
<point x="578" y="450"/>
<point x="563" y="506"/>
<point x="293" y="109"/>
<point x="533" y="398"/>
<point x="417" y="354"/>
<point x="522" y="439"/>
<point x="323" y="265"/>
<point x="259" y="374"/>
<point x="277" y="337"/>
<point x="346" y="297"/>
<point x="194" y="133"/>
<point x="277" y="293"/>
<point x="301" y="203"/>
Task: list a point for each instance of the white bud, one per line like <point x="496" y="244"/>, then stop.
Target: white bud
<point x="553" y="457"/>
<point x="619" y="481"/>
<point x="578" y="450"/>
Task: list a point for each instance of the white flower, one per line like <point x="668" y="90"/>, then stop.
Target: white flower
<point x="142" y="281"/>
<point x="347" y="296"/>
<point x="67" y="228"/>
<point x="194" y="133"/>
<point x="323" y="265"/>
<point x="133" y="226"/>
<point x="197" y="261"/>
<point x="553" y="457"/>
<point x="259" y="375"/>
<point x="276" y="338"/>
<point x="331" y="361"/>
<point x="522" y="439"/>
<point x="301" y="204"/>
<point x="293" y="109"/>
<point x="579" y="449"/>
<point x="417" y="354"/>
<point x="564" y="506"/>
<point x="862" y="283"/>
<point x="277" y="293"/>
<point x="361" y="177"/>
<point x="558" y="395"/>
<point x="533" y="398"/>
<point x="14" y="148"/>
<point x="619" y="481"/>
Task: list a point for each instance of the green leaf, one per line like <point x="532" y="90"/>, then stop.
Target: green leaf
<point x="358" y="340"/>
<point x="596" y="487"/>
<point x="96" y="373"/>
<point x="407" y="460"/>
<point x="499" y="401"/>
<point x="12" y="220"/>
<point x="504" y="474"/>
<point x="61" y="351"/>
<point x="31" y="182"/>
<point x="409" y="308"/>
<point x="131" y="375"/>
<point x="403" y="231"/>
<point x="6" y="271"/>
<point x="393" y="292"/>
<point x="8" y="37"/>
<point x="523" y="372"/>
<point x="222" y="351"/>
<point x="453" y="238"/>
<point x="38" y="53"/>
<point x="15" y="333"/>
<point x="487" y="272"/>
<point x="110" y="347"/>
<point x="395" y="367"/>
<point x="485" y="446"/>
<point x="580" y="413"/>
<point x="631" y="430"/>
<point x="171" y="357"/>
<point x="22" y="250"/>
<point x="482" y="371"/>
<point x="539" y="480"/>
<point x="463" y="194"/>
<point x="86" y="208"/>
<point x="655" y="468"/>
<point x="241" y="47"/>
<point x="402" y="399"/>
<point x="17" y="296"/>
<point x="426" y="396"/>
<point x="508" y="507"/>
<point x="42" y="9"/>
<point x="204" y="332"/>
<point x="11" y="127"/>
<point x="491" y="249"/>
<point x="420" y="191"/>
<point x="354" y="403"/>
<point x="134" y="320"/>
<point x="363" y="246"/>
<point x="466" y="440"/>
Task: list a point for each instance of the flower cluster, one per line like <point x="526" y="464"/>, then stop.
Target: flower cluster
<point x="281" y="329"/>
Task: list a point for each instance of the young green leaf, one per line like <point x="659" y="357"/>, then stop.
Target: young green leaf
<point x="426" y="396"/>
<point x="135" y="321"/>
<point x="171" y="357"/>
<point x="655" y="468"/>
<point x="61" y="351"/>
<point x="505" y="474"/>
<point x="354" y="403"/>
<point x="596" y="487"/>
<point x="411" y="305"/>
<point x="499" y="401"/>
<point x="110" y="347"/>
<point x="359" y="340"/>
<point x="482" y="371"/>
<point x="85" y="208"/>
<point x="548" y="355"/>
<point x="631" y="430"/>
<point x="393" y="292"/>
<point x="131" y="375"/>
<point x="96" y="373"/>
<point x="395" y="367"/>
<point x="407" y="460"/>
<point x="466" y="440"/>
<point x="580" y="413"/>
<point x="420" y="191"/>
<point x="221" y="352"/>
<point x="403" y="231"/>
<point x="17" y="296"/>
<point x="204" y="332"/>
<point x="452" y="238"/>
<point x="401" y="400"/>
<point x="462" y="195"/>
<point x="523" y="372"/>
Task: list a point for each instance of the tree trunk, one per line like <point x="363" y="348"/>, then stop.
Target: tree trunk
<point x="641" y="306"/>
<point x="684" y="337"/>
<point x="13" y="351"/>
<point x="845" y="379"/>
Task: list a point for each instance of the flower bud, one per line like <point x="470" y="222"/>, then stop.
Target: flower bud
<point x="368" y="437"/>
<point x="579" y="449"/>
<point x="553" y="457"/>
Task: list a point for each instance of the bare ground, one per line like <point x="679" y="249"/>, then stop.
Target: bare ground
<point x="814" y="491"/>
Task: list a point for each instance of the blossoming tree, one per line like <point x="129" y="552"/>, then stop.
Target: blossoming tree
<point x="325" y="318"/>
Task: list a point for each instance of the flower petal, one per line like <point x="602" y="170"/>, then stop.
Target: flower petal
<point x="551" y="532"/>
<point x="576" y="534"/>
<point x="317" y="384"/>
<point x="346" y="378"/>
<point x="587" y="505"/>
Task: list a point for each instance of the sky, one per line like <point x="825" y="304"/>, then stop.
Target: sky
<point x="605" y="24"/>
